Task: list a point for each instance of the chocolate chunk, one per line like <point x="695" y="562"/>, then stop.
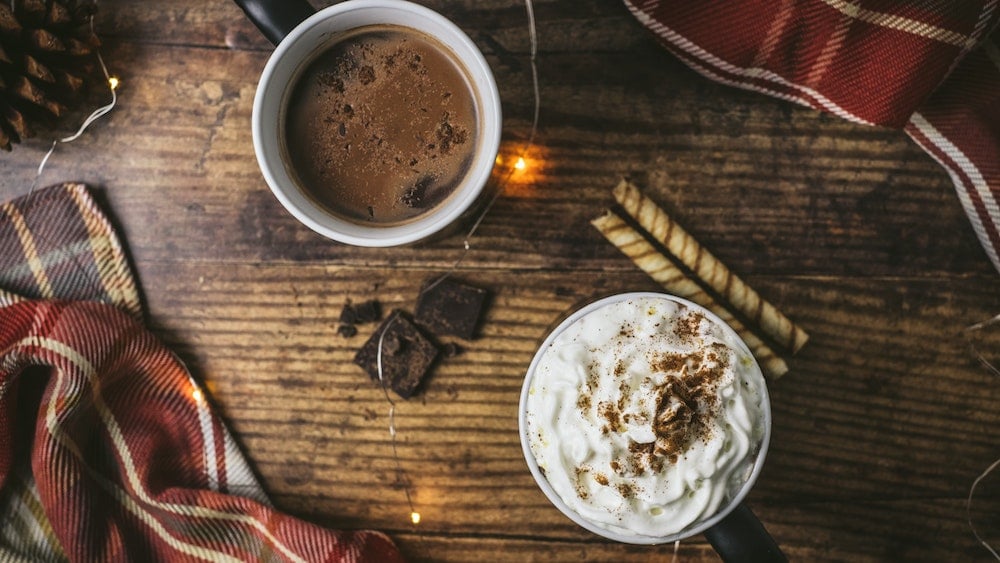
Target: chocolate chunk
<point x="366" y="75"/>
<point x="368" y="312"/>
<point x="347" y="315"/>
<point x="450" y="307"/>
<point x="414" y="195"/>
<point x="407" y="354"/>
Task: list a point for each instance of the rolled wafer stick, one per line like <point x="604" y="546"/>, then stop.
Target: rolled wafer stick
<point x="708" y="268"/>
<point x="631" y="243"/>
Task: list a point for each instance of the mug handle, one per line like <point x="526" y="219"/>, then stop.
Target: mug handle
<point x="276" y="18"/>
<point x="741" y="538"/>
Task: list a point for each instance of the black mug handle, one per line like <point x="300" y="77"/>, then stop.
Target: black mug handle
<point x="741" y="538"/>
<point x="276" y="18"/>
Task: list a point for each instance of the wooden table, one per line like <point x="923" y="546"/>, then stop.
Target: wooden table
<point x="884" y="422"/>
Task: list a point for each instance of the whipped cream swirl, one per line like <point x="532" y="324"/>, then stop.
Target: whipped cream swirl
<point x="645" y="416"/>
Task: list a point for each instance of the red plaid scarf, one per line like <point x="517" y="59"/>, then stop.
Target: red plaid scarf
<point x="109" y="450"/>
<point x="931" y="67"/>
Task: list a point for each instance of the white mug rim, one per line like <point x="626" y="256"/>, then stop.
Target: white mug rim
<point x="550" y="493"/>
<point x="284" y="188"/>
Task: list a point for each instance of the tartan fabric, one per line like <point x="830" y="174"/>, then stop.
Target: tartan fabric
<point x="109" y="450"/>
<point x="929" y="67"/>
<point x="56" y="243"/>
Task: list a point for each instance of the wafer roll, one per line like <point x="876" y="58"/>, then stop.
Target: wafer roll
<point x="661" y="269"/>
<point x="708" y="268"/>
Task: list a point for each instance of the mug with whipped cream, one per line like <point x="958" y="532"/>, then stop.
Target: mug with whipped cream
<point x="645" y="419"/>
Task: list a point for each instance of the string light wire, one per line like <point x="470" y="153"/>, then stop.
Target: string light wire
<point x="466" y="247"/>
<point x="968" y="508"/>
<point x="520" y="162"/>
<point x="100" y="112"/>
<point x="414" y="515"/>
<point x="972" y="345"/>
<point x="992" y="369"/>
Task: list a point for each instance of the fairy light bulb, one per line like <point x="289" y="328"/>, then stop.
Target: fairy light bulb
<point x="520" y="164"/>
<point x="113" y="82"/>
<point x="415" y="518"/>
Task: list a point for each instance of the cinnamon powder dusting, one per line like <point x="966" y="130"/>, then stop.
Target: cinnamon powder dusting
<point x="685" y="403"/>
<point x="687" y="327"/>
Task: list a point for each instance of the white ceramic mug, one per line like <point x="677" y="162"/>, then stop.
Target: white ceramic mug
<point x="300" y="33"/>
<point x="733" y="530"/>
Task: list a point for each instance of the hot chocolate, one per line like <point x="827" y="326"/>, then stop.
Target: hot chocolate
<point x="381" y="126"/>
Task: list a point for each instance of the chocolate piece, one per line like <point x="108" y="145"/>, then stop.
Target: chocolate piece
<point x="350" y="315"/>
<point x="347" y="314"/>
<point x="367" y="312"/>
<point x="407" y="354"/>
<point x="414" y="195"/>
<point x="450" y="307"/>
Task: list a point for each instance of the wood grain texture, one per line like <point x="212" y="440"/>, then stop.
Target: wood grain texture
<point x="880" y="412"/>
<point x="883" y="422"/>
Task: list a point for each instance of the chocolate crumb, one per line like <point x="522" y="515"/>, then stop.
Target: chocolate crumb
<point x="368" y="311"/>
<point x="366" y="75"/>
<point x="347" y="314"/>
<point x="414" y="195"/>
<point x="350" y="315"/>
<point x="331" y="80"/>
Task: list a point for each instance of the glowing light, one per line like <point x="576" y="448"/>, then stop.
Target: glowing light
<point x="415" y="518"/>
<point x="113" y="82"/>
<point x="520" y="164"/>
<point x="197" y="395"/>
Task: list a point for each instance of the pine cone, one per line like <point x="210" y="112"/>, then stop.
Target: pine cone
<point x="47" y="57"/>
